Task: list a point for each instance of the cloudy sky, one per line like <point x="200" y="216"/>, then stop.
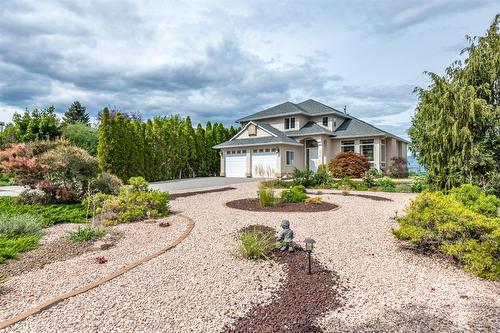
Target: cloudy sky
<point x="218" y="60"/>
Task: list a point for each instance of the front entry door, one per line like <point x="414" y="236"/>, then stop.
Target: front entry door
<point x="312" y="158"/>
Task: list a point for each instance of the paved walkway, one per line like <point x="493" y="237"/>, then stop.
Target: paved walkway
<point x="201" y="182"/>
<point x="10" y="191"/>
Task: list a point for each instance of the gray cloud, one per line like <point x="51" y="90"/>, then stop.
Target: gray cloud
<point x="216" y="61"/>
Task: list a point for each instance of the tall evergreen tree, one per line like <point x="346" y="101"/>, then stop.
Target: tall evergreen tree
<point x="455" y="132"/>
<point x="76" y="113"/>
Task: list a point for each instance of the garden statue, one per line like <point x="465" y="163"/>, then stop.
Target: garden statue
<point x="285" y="237"/>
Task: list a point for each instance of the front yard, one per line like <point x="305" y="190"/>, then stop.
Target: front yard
<point x="201" y="286"/>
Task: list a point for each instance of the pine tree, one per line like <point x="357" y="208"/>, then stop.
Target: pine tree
<point x="76" y="113"/>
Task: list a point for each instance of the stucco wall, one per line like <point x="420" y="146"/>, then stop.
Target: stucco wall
<point x="279" y="123"/>
<point x="260" y="133"/>
<point x="298" y="161"/>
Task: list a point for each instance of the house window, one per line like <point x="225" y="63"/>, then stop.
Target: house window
<point x="367" y="149"/>
<point x="347" y="145"/>
<point x="325" y="121"/>
<point x="334" y="123"/>
<point x="289" y="157"/>
<point x="289" y="123"/>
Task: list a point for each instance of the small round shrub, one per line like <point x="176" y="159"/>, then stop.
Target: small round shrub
<point x="107" y="183"/>
<point x="295" y="194"/>
<point x="349" y="164"/>
<point x="398" y="168"/>
<point x="20" y="224"/>
<point x="386" y="184"/>
<point x="418" y="184"/>
<point x="138" y="184"/>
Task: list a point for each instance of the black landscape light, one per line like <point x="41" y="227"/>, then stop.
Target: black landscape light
<point x="309" y="248"/>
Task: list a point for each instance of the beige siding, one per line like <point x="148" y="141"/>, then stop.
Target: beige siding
<point x="319" y="120"/>
<point x="260" y="133"/>
<point x="298" y="160"/>
<point x="279" y="123"/>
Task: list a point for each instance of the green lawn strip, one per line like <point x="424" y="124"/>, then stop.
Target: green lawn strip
<point x="51" y="214"/>
<point x="11" y="245"/>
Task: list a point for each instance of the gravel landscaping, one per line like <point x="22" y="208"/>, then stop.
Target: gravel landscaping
<point x="200" y="287"/>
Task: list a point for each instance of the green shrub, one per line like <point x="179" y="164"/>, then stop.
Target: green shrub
<point x="303" y="177"/>
<point x="255" y="244"/>
<point x="322" y="176"/>
<point x="346" y="184"/>
<point x="50" y="214"/>
<point x="19" y="224"/>
<point x="107" y="183"/>
<point x="369" y="179"/>
<point x="418" y="184"/>
<point x="295" y="194"/>
<point x="386" y="184"/>
<point x="5" y="180"/>
<point x="476" y="200"/>
<point x="266" y="196"/>
<point x="135" y="202"/>
<point x="10" y="246"/>
<point x="438" y="222"/>
<point x="82" y="136"/>
<point x="86" y="234"/>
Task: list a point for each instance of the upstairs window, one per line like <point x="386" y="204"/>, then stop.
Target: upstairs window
<point x="347" y="145"/>
<point x="325" y="121"/>
<point x="334" y="123"/>
<point x="289" y="123"/>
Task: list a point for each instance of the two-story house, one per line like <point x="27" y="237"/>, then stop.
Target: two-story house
<point x="275" y="141"/>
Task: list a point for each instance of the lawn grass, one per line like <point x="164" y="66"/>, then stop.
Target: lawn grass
<point x="50" y="214"/>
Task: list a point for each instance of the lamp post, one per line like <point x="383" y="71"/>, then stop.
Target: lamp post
<point x="309" y="248"/>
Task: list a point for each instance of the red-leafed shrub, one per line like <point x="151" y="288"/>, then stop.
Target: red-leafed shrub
<point x="397" y="167"/>
<point x="56" y="168"/>
<point x="349" y="164"/>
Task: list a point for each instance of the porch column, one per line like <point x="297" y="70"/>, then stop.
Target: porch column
<point x="279" y="160"/>
<point x="320" y="150"/>
<point x="222" y="165"/>
<point x="376" y="153"/>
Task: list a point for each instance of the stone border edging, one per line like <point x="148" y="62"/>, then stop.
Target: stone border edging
<point x="54" y="300"/>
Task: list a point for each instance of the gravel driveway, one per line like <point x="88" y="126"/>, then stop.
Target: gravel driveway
<point x="199" y="286"/>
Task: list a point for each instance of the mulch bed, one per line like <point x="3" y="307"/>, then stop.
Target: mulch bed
<point x="366" y="196"/>
<point x="189" y="194"/>
<point x="300" y="301"/>
<point x="58" y="250"/>
<point x="253" y="205"/>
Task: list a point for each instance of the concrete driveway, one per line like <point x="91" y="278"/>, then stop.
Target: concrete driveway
<point x="196" y="183"/>
<point x="10" y="191"/>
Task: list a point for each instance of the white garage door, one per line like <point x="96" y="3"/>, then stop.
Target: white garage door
<point x="264" y="164"/>
<point x="235" y="163"/>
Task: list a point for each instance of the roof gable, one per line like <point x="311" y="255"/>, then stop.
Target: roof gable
<point x="314" y="108"/>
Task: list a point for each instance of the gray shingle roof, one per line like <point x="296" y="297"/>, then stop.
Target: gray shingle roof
<point x="255" y="142"/>
<point x="279" y="138"/>
<point x="356" y="127"/>
<point x="309" y="108"/>
<point x="308" y="129"/>
<point x="313" y="108"/>
<point x="275" y="111"/>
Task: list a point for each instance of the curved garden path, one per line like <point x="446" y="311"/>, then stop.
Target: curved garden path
<point x="199" y="286"/>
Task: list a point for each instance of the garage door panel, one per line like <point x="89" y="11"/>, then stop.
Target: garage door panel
<point x="235" y="165"/>
<point x="264" y="165"/>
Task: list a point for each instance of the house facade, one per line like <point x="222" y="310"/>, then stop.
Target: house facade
<point x="275" y="141"/>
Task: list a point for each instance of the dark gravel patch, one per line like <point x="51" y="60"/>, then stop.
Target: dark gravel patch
<point x="254" y="206"/>
<point x="300" y="301"/>
<point x="58" y="250"/>
<point x="189" y="194"/>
